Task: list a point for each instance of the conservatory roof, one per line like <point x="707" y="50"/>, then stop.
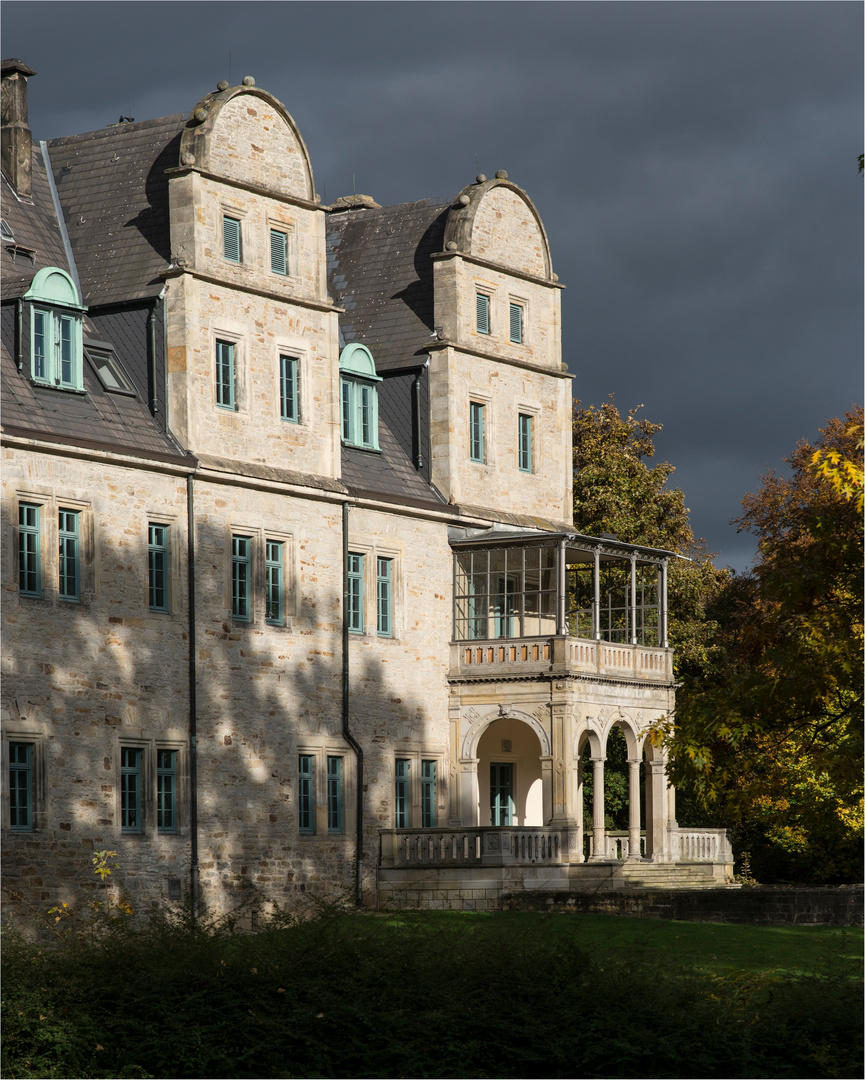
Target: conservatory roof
<point x="580" y="548"/>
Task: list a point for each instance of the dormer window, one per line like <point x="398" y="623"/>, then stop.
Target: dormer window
<point x="358" y="393"/>
<point x="55" y="330"/>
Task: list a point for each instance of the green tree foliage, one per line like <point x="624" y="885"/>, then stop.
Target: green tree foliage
<point x="770" y="732"/>
<point x="617" y="491"/>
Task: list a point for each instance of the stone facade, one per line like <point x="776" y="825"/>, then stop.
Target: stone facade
<point x="270" y="689"/>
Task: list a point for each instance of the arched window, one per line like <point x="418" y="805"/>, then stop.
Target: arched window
<point x="55" y="330"/>
<point x="358" y="395"/>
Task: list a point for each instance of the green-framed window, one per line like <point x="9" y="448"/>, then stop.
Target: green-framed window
<point x="225" y="374"/>
<point x="21" y="786"/>
<point x="289" y="389"/>
<point x="278" y="252"/>
<point x="306" y="793"/>
<point x="358" y="396"/>
<point x="477" y="436"/>
<point x="56" y="354"/>
<point x="384" y="596"/>
<point x="70" y="552"/>
<point x="231" y="245"/>
<point x="130" y="790"/>
<point x="526" y="450"/>
<point x="274" y="580"/>
<point x="501" y="793"/>
<point x="29" y="549"/>
<point x="482" y="308"/>
<point x="402" y="799"/>
<point x="354" y="614"/>
<point x="166" y="791"/>
<point x="241" y="578"/>
<point x="157" y="567"/>
<point x="334" y="795"/>
<point x="515" y="323"/>
<point x="428" y="794"/>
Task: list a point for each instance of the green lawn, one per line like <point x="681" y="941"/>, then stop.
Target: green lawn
<point x="512" y="994"/>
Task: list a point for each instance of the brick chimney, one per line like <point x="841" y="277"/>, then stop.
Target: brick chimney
<point x="16" y="140"/>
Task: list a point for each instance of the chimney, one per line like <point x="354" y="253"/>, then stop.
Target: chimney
<point x="16" y="141"/>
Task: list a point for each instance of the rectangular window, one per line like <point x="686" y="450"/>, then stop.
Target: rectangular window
<point x="384" y="597"/>
<point x="67" y="380"/>
<point x="231" y="239"/>
<point x="241" y="559"/>
<point x="516" y="323"/>
<point x="56" y="349"/>
<point x="157" y="567"/>
<point x="525" y="449"/>
<point x="355" y="594"/>
<point x="166" y="791"/>
<point x="334" y="794"/>
<point x="483" y="313"/>
<point x="359" y="405"/>
<point x="130" y="790"/>
<point x="225" y="374"/>
<point x="428" y="794"/>
<point x="278" y="252"/>
<point x="402" y="793"/>
<point x="274" y="581"/>
<point x="40" y="342"/>
<point x="476" y="431"/>
<point x="70" y="566"/>
<point x="29" y="550"/>
<point x="21" y="786"/>
<point x="288" y="389"/>
<point x="305" y="794"/>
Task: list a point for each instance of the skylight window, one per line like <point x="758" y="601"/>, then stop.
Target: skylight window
<point x="108" y="370"/>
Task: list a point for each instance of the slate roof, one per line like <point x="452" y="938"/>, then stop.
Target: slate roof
<point x="379" y="270"/>
<point x="114" y="193"/>
<point x="34" y="225"/>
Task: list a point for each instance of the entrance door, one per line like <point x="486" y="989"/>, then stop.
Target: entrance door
<point x="501" y="793"/>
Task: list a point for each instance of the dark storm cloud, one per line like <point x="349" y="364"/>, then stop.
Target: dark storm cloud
<point x="694" y="165"/>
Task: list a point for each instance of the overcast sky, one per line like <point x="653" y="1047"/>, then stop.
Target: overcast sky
<point x="694" y="164"/>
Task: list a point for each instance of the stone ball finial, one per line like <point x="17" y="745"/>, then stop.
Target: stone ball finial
<point x="501" y="175"/>
<point x="555" y="277"/>
<point x="463" y="200"/>
<point x="248" y="80"/>
<point x="187" y="159"/>
<point x="222" y="84"/>
<point x="200" y="115"/>
<point x="480" y="178"/>
<point x="451" y="245"/>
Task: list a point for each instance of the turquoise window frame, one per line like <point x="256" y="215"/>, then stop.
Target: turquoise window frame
<point x="56" y="350"/>
<point x="526" y="440"/>
<point x="29" y="549"/>
<point x="482" y="313"/>
<point x="69" y="544"/>
<point x="402" y="800"/>
<point x="354" y="613"/>
<point x="384" y="596"/>
<point x="157" y="566"/>
<point x="515" y="323"/>
<point x="289" y="389"/>
<point x="241" y="578"/>
<point x="334" y="795"/>
<point x="358" y="397"/>
<point x="274" y="558"/>
<point x="501" y="793"/>
<point x="279" y="252"/>
<point x="306" y="793"/>
<point x="21" y="786"/>
<point x="504" y="606"/>
<point x="477" y="436"/>
<point x="130" y="789"/>
<point x="166" y="790"/>
<point x="232" y="240"/>
<point x="225" y="375"/>
<point x="428" y="794"/>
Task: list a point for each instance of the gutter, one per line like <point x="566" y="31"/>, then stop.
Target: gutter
<point x="194" y="882"/>
<point x="346" y="730"/>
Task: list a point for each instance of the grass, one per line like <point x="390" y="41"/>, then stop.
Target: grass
<point x="512" y="994"/>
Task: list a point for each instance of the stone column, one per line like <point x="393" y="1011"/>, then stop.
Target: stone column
<point x="454" y="771"/>
<point x="469" y="791"/>
<point x="633" y="808"/>
<point x="656" y="826"/>
<point x="599" y="853"/>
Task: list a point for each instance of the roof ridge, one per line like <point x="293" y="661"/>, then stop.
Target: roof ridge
<point x="116" y="129"/>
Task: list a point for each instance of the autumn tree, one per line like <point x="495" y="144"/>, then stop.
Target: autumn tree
<point x="770" y="733"/>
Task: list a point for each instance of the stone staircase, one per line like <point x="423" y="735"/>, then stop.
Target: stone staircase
<point x="674" y="876"/>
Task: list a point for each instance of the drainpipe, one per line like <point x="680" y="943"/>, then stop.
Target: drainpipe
<point x="193" y="714"/>
<point x="346" y="731"/>
<point x="19" y="333"/>
<point x="151" y="341"/>
<point x="418" y="459"/>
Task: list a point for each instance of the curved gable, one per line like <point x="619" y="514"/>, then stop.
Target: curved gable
<point x="496" y="221"/>
<point x="245" y="134"/>
<point x="53" y="286"/>
<point x="356" y="359"/>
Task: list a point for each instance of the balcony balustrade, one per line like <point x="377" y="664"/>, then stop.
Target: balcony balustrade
<point x="562" y="655"/>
